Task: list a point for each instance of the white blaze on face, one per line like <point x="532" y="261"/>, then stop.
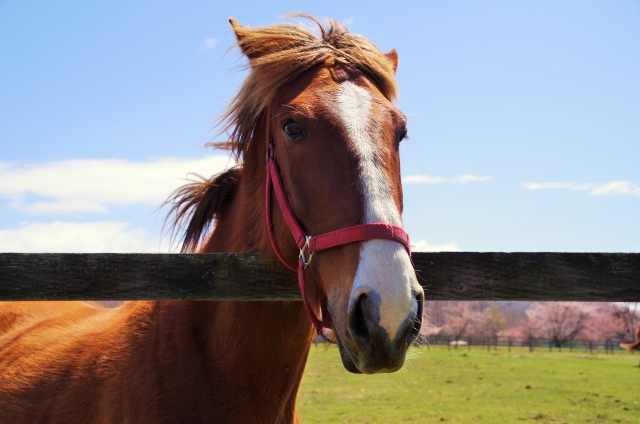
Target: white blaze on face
<point x="384" y="264"/>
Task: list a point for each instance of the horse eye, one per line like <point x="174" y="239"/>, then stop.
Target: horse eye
<point x="401" y="136"/>
<point x="294" y="131"/>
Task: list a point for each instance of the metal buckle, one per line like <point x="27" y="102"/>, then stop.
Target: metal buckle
<point x="270" y="152"/>
<point x="304" y="248"/>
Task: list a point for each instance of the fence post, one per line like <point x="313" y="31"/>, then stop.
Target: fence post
<point x="530" y="343"/>
<point x="590" y="347"/>
<point x="570" y="346"/>
<point x="488" y="341"/>
<point x="468" y="344"/>
<point x="611" y="346"/>
<point x="448" y="343"/>
<point x="509" y="344"/>
<point x="606" y="347"/>
<point x="549" y="341"/>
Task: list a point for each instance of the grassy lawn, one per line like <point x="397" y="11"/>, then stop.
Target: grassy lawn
<point x="437" y="385"/>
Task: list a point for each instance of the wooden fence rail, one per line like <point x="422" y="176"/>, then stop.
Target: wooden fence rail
<point x="241" y="276"/>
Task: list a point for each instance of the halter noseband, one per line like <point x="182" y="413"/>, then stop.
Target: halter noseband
<point x="308" y="245"/>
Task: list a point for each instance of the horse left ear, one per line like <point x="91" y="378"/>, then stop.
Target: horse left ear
<point x="241" y="34"/>
<point x="392" y="56"/>
<point x="253" y="47"/>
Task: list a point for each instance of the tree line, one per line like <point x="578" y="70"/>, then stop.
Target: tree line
<point x="561" y="323"/>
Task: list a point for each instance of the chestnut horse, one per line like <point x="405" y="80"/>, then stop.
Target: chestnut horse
<point x="630" y="347"/>
<point x="335" y="134"/>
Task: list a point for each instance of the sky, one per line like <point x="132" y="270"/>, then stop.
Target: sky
<point x="524" y="118"/>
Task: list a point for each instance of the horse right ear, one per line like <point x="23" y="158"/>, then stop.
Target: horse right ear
<point x="392" y="56"/>
<point x="251" y="47"/>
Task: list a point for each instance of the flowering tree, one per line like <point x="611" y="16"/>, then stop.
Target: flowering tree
<point x="628" y="315"/>
<point x="560" y="321"/>
<point x="603" y="323"/>
<point x="491" y="321"/>
<point x="518" y="332"/>
<point x="461" y="319"/>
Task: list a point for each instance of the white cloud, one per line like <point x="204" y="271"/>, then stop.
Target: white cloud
<point x="424" y="246"/>
<point x="75" y="237"/>
<point x="91" y="185"/>
<point x="71" y="206"/>
<point x="210" y="43"/>
<point x="462" y="179"/>
<point x="624" y="188"/>
<point x="348" y="21"/>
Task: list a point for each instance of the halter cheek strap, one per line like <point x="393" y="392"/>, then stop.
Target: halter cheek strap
<point x="309" y="245"/>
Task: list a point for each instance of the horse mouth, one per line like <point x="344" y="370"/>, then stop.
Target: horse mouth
<point x="369" y="361"/>
<point x="347" y="360"/>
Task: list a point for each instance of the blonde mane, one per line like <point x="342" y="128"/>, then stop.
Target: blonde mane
<point x="279" y="54"/>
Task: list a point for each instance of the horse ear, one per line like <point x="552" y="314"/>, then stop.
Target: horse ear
<point x="392" y="56"/>
<point x="241" y="34"/>
<point x="245" y="42"/>
<point x="238" y="29"/>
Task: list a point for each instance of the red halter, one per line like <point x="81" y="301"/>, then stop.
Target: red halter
<point x="309" y="245"/>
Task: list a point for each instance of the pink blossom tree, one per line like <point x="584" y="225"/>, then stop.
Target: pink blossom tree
<point x="461" y="319"/>
<point x="629" y="316"/>
<point x="603" y="323"/>
<point x="560" y="321"/>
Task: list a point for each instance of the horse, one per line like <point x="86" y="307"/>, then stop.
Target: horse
<point x="630" y="347"/>
<point x="320" y="103"/>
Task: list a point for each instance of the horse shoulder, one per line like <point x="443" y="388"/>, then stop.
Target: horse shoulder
<point x="70" y="349"/>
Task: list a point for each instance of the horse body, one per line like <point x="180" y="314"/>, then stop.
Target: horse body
<point x="149" y="362"/>
<point x="335" y="134"/>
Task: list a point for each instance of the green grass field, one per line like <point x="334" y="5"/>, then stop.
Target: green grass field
<point x="437" y="385"/>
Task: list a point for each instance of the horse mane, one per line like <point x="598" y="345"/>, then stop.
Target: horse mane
<point x="278" y="55"/>
<point x="199" y="203"/>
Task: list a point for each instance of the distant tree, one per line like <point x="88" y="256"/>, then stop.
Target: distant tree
<point x="629" y="316"/>
<point x="530" y="328"/>
<point x="492" y="321"/>
<point x="461" y="320"/>
<point x="431" y="326"/>
<point x="429" y="330"/>
<point x="561" y="321"/>
<point x="435" y="312"/>
<point x="517" y="333"/>
<point x="604" y="323"/>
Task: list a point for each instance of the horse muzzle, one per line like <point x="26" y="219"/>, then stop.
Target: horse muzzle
<point x="366" y="346"/>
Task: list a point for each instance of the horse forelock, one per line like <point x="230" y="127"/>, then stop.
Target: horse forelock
<point x="281" y="53"/>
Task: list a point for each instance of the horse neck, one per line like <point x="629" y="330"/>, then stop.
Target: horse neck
<point x="270" y="340"/>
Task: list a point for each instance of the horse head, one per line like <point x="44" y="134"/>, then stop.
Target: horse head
<point x="335" y="133"/>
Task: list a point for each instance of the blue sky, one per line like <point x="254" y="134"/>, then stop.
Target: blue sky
<point x="107" y="106"/>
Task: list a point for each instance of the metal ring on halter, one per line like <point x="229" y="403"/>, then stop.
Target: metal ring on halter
<point x="306" y="261"/>
<point x="270" y="152"/>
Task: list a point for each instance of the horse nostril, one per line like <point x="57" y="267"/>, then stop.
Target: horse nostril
<point x="417" y="322"/>
<point x="358" y="326"/>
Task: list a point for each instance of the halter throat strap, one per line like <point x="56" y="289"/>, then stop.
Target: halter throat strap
<point x="309" y="245"/>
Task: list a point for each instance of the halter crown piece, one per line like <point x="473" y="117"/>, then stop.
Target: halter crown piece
<point x="308" y="245"/>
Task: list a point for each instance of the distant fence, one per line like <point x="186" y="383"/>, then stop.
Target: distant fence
<point x="462" y="276"/>
<point x="495" y="343"/>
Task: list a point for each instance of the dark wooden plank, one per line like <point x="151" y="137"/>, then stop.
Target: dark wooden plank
<point x="229" y="276"/>
<point x="605" y="277"/>
<point x="224" y="276"/>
